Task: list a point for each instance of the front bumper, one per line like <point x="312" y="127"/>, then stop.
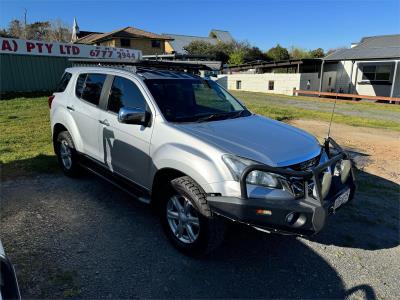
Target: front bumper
<point x="304" y="216"/>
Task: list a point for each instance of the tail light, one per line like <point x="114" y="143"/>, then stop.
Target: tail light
<point x="50" y="100"/>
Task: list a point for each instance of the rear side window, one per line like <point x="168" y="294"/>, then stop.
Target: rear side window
<point x="80" y="83"/>
<point x="125" y="93"/>
<point x="62" y="85"/>
<point x="92" y="88"/>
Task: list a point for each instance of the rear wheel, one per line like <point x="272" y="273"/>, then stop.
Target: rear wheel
<point x="187" y="219"/>
<point x="66" y="154"/>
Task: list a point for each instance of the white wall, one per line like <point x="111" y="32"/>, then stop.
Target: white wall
<point x="284" y="83"/>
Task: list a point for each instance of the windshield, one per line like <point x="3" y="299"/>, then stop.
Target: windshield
<point x="194" y="100"/>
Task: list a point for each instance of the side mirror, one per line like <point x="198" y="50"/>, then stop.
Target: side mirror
<point x="138" y="116"/>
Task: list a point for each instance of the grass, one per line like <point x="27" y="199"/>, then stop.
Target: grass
<point x="25" y="138"/>
<point x="285" y="110"/>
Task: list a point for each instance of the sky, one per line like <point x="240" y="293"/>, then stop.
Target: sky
<point x="307" y="24"/>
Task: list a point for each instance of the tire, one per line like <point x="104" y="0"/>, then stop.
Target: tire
<point x="206" y="232"/>
<point x="65" y="151"/>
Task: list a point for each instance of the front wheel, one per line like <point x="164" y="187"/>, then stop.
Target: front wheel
<point x="187" y="219"/>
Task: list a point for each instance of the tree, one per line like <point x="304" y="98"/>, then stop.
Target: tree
<point x="298" y="53"/>
<point x="236" y="57"/>
<point x="278" y="53"/>
<point x="317" y="53"/>
<point x="15" y="29"/>
<point x="38" y="31"/>
<point x="254" y="54"/>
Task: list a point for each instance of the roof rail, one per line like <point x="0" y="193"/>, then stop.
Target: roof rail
<point x="133" y="64"/>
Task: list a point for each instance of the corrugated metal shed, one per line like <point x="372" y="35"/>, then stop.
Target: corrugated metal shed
<point x="30" y="73"/>
<point x="373" y="47"/>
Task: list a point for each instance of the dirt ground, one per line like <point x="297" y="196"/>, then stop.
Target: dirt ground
<point x="379" y="147"/>
<point x="83" y="238"/>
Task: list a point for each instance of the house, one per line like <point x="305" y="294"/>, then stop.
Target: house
<point x="128" y="37"/>
<point x="177" y="42"/>
<point x="369" y="68"/>
<point x="275" y="77"/>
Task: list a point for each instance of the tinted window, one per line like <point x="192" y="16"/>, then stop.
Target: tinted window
<point x="79" y="85"/>
<point x="92" y="88"/>
<point x="186" y="100"/>
<point x="62" y="85"/>
<point x="125" y="93"/>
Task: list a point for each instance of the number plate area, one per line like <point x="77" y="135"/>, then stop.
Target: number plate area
<point x="342" y="199"/>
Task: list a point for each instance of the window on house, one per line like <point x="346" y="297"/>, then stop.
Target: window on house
<point x="376" y="73"/>
<point x="329" y="81"/>
<point x="125" y="42"/>
<point x="238" y="84"/>
<point x="271" y="85"/>
<point x="155" y="44"/>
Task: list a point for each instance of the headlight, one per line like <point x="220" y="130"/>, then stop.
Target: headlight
<point x="237" y="165"/>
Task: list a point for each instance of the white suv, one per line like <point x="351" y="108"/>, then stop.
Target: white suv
<point x="184" y="144"/>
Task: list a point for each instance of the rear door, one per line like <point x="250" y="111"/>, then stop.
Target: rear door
<point x="126" y="147"/>
<point x="85" y="111"/>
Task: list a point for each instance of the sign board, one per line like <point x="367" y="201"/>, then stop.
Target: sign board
<point x="31" y="47"/>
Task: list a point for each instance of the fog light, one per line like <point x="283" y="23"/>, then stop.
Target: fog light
<point x="325" y="185"/>
<point x="342" y="169"/>
<point x="263" y="212"/>
<point x="296" y="219"/>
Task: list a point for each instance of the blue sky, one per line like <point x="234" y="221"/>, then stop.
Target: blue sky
<point x="307" y="24"/>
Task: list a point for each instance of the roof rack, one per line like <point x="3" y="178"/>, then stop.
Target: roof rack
<point x="133" y="64"/>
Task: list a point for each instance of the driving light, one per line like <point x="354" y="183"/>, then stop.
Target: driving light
<point x="342" y="169"/>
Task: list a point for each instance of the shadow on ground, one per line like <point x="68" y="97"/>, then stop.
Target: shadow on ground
<point x="85" y="238"/>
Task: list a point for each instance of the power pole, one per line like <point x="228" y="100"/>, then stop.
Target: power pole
<point x="25" y="12"/>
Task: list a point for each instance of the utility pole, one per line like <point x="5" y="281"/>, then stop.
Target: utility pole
<point x="25" y="12"/>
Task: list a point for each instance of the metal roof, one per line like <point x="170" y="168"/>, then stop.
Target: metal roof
<point x="181" y="41"/>
<point x="373" y="47"/>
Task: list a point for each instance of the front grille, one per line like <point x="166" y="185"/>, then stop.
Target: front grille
<point x="306" y="165"/>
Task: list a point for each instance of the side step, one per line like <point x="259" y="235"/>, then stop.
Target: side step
<point x="125" y="185"/>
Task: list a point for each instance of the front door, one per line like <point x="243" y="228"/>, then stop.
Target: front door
<point x="125" y="147"/>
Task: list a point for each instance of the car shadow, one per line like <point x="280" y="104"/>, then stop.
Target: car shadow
<point x="249" y="264"/>
<point x="370" y="221"/>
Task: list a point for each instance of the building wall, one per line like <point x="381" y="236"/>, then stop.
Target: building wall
<point x="140" y="44"/>
<point x="30" y="73"/>
<point x="356" y="84"/>
<point x="168" y="48"/>
<point x="283" y="83"/>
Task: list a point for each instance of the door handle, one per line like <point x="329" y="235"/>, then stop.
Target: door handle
<point x="70" y="108"/>
<point x="104" y="122"/>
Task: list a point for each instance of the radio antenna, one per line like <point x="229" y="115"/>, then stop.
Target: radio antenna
<point x="333" y="111"/>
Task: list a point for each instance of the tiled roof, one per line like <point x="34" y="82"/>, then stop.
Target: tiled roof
<point x="181" y="41"/>
<point x="123" y="32"/>
<point x="373" y="47"/>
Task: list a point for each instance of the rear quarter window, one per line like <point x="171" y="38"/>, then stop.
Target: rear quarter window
<point x="62" y="85"/>
<point x="89" y="86"/>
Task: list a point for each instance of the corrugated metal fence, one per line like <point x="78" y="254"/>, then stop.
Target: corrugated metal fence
<point x="29" y="73"/>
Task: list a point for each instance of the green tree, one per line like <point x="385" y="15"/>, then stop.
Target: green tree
<point x="236" y="57"/>
<point x="298" y="53"/>
<point x="278" y="53"/>
<point x="317" y="53"/>
<point x="254" y="54"/>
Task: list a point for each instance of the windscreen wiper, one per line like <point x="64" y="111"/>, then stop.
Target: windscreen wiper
<point x="209" y="117"/>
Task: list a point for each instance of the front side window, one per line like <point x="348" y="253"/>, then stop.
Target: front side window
<point x="376" y="72"/>
<point x="124" y="93"/>
<point x="194" y="100"/>
<point x="92" y="88"/>
<point x="62" y="85"/>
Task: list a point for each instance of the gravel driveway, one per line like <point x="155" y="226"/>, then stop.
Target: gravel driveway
<point x="86" y="239"/>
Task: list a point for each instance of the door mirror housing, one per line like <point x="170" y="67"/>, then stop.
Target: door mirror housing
<point x="129" y="115"/>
